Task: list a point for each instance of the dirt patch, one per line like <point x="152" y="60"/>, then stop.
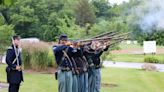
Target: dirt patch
<point x="109" y="85"/>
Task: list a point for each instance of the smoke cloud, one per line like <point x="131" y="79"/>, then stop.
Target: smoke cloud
<point x="151" y="13"/>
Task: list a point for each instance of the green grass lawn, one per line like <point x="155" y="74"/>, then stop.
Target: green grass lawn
<point x="135" y="57"/>
<point x="126" y="80"/>
<point x="130" y="46"/>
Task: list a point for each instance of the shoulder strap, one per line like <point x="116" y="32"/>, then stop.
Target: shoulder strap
<point x="16" y="57"/>
<point x="63" y="56"/>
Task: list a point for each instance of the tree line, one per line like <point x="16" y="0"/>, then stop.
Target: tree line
<point x="47" y="19"/>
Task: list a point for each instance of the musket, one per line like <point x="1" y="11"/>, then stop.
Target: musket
<point x="113" y="42"/>
<point x="104" y="34"/>
<point x="104" y="38"/>
<point x="117" y="41"/>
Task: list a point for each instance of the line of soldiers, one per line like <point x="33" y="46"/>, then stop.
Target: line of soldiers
<point x="78" y="66"/>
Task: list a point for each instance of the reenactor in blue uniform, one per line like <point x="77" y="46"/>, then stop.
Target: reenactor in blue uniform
<point x="81" y="68"/>
<point x="97" y="64"/>
<point x="62" y="53"/>
<point x="14" y="62"/>
<point x="89" y="53"/>
<point x="93" y="53"/>
<point x="75" y="68"/>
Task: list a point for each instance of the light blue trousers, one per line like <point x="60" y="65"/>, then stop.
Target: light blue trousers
<point x="86" y="82"/>
<point x="91" y="80"/>
<point x="98" y="80"/>
<point x="75" y="83"/>
<point x="65" y="81"/>
<point x="83" y="82"/>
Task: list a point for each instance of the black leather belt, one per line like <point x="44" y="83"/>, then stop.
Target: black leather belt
<point x="65" y="69"/>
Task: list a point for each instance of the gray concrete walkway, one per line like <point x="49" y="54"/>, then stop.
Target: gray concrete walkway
<point x="3" y="85"/>
<point x="160" y="67"/>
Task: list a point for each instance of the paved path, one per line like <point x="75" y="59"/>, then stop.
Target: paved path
<point x="160" y="67"/>
<point x="3" y="85"/>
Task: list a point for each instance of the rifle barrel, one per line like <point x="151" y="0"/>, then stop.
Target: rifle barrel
<point x="104" y="34"/>
<point x="16" y="54"/>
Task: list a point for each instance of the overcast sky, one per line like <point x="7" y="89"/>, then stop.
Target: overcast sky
<point x="117" y="1"/>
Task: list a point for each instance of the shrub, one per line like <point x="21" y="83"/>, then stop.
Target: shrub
<point x="37" y="56"/>
<point x="151" y="59"/>
<point x="107" y="56"/>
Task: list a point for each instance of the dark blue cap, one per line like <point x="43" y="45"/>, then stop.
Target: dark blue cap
<point x="16" y="37"/>
<point x="63" y="37"/>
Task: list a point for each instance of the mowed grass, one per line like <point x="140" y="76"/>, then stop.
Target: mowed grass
<point x="33" y="82"/>
<point x="123" y="45"/>
<point x="126" y="57"/>
<point x="129" y="46"/>
<point x="135" y="57"/>
<point x="126" y="80"/>
<point x="132" y="80"/>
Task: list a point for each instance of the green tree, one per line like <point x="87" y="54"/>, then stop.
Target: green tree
<point x="39" y="18"/>
<point x="102" y="8"/>
<point x="6" y="2"/>
<point x="6" y="32"/>
<point x="84" y="13"/>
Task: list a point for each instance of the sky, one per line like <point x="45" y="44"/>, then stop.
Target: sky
<point x="117" y="1"/>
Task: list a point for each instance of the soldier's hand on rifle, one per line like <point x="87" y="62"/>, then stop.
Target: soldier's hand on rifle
<point x="68" y="43"/>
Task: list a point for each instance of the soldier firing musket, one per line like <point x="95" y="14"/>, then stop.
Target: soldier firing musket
<point x="63" y="54"/>
<point x="73" y="59"/>
<point x="94" y="49"/>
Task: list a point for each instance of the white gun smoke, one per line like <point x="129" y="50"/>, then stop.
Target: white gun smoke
<point x="151" y="13"/>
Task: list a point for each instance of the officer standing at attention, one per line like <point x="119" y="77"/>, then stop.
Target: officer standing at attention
<point x="62" y="53"/>
<point x="14" y="62"/>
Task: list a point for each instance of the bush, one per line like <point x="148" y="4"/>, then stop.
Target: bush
<point x="151" y="59"/>
<point x="37" y="56"/>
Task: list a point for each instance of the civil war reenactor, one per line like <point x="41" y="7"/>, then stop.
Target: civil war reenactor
<point x="14" y="62"/>
<point x="93" y="53"/>
<point x="75" y="71"/>
<point x="81" y="68"/>
<point x="96" y="61"/>
<point x="62" y="53"/>
<point x="89" y="52"/>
